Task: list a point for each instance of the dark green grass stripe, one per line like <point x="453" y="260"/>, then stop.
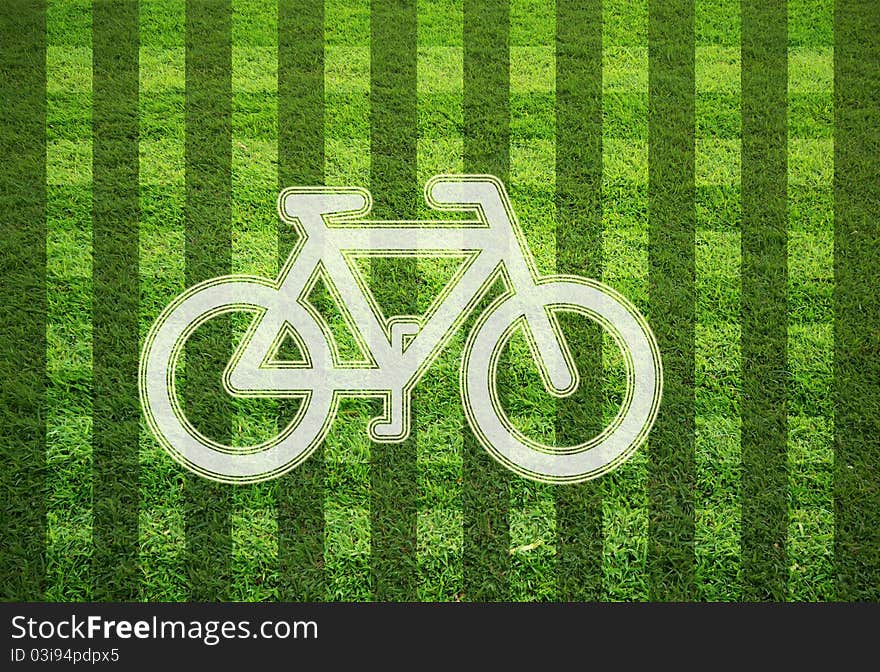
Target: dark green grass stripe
<point x="116" y="300"/>
<point x="856" y="309"/>
<point x="486" y="108"/>
<point x="208" y="254"/>
<point x="23" y="298"/>
<point x="579" y="251"/>
<point x="393" y="180"/>
<point x="300" y="162"/>
<point x="671" y="467"/>
<point x="764" y="319"/>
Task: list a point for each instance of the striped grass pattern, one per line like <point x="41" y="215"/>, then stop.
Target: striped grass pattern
<point x="715" y="161"/>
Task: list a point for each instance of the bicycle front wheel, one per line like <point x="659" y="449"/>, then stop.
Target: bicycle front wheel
<point x="619" y="440"/>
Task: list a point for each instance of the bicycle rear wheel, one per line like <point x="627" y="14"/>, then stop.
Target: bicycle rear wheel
<point x="618" y="441"/>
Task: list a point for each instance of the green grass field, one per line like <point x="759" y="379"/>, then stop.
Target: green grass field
<point x="248" y="553"/>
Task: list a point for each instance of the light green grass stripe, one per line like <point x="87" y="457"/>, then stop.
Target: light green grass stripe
<point x="162" y="69"/>
<point x="533" y="182"/>
<point x="811" y="254"/>
<point x="625" y="267"/>
<point x="69" y="162"/>
<point x="717" y="161"/>
<point x="811" y="23"/>
<point x="626" y="246"/>
<point x="624" y="68"/>
<point x="347" y="23"/>
<point x="440" y="116"/>
<point x="440" y="537"/>
<point x="532" y="69"/>
<point x="532" y="543"/>
<point x="718" y="263"/>
<point x="532" y="188"/>
<point x="346" y="115"/>
<point x="347" y="552"/>
<point x="810" y="538"/>
<point x="809" y="162"/>
<point x="717" y="520"/>
<point x="811" y="366"/>
<point x="625" y="24"/>
<point x="347" y="161"/>
<point x="71" y="111"/>
<point x="717" y="22"/>
<point x="347" y="506"/>
<point x="254" y="23"/>
<point x="810" y="209"/>
<point x="440" y="23"/>
<point x="163" y="21"/>
<point x="532" y="23"/>
<point x="810" y="70"/>
<point x="439" y="525"/>
<point x="438" y="155"/>
<point x="254" y="242"/>
<point x="717" y="510"/>
<point x="718" y="462"/>
<point x="347" y="68"/>
<point x="347" y="448"/>
<point x="529" y="111"/>
<point x="254" y="115"/>
<point x="624" y="162"/>
<point x="68" y="422"/>
<point x="68" y="533"/>
<point x="161" y="519"/>
<point x="439" y="69"/>
<point x="811" y="512"/>
<point x="161" y="542"/>
<point x="254" y="549"/>
<point x="69" y="68"/>
<point x="254" y="564"/>
<point x="440" y="419"/>
<point x="68" y="330"/>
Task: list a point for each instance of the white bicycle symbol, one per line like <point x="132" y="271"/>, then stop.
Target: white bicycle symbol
<point x="331" y="227"/>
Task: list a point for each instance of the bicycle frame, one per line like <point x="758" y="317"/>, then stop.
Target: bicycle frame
<point x="331" y="227"/>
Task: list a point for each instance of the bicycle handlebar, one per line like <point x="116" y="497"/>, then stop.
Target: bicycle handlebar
<point x="443" y="192"/>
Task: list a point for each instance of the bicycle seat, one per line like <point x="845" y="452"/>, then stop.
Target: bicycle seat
<point x="305" y="203"/>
